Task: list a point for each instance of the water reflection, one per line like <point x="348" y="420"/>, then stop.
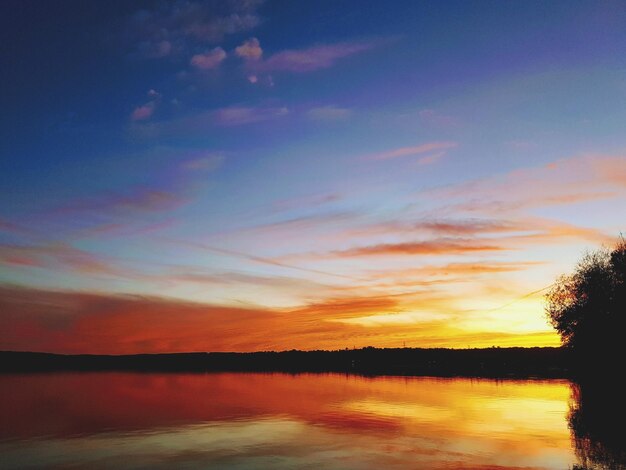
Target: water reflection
<point x="125" y="420"/>
<point x="596" y="419"/>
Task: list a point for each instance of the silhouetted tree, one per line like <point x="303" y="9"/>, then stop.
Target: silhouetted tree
<point x="588" y="307"/>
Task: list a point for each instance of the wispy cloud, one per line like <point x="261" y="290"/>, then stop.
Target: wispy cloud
<point x="463" y="270"/>
<point x="305" y="223"/>
<point x="430" y="159"/>
<point x="439" y="246"/>
<point x="7" y="226"/>
<point x="306" y="202"/>
<point x="328" y="113"/>
<point x="170" y="186"/>
<point x="130" y="209"/>
<point x="238" y="115"/>
<point x="508" y="234"/>
<point x="132" y="200"/>
<point x="58" y="256"/>
<point x="205" y="121"/>
<point x="118" y="229"/>
<point x="286" y="287"/>
<point x="210" y="161"/>
<point x="609" y="169"/>
<point x="260" y="259"/>
<point x="566" y="181"/>
<point x="464" y="227"/>
<point x="545" y="231"/>
<point x="312" y="58"/>
<point x="437" y="226"/>
<point x="342" y="307"/>
<point x="412" y="151"/>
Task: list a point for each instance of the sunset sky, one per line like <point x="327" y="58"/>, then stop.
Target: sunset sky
<point x="245" y="175"/>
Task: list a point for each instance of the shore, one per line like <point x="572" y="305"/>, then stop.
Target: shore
<point x="484" y="362"/>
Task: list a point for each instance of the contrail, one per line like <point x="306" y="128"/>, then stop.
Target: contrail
<point x="260" y="259"/>
<point x="518" y="299"/>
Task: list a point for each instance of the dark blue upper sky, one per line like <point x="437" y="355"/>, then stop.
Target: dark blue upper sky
<point x="72" y="70"/>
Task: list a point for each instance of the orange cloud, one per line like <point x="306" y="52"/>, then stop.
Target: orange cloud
<point x="429" y="247"/>
<point x="209" y="60"/>
<point x="441" y="226"/>
<point x="334" y="308"/>
<point x="81" y="322"/>
<point x="464" y="270"/>
<point x="249" y="50"/>
<point x="73" y="322"/>
<point x="612" y="169"/>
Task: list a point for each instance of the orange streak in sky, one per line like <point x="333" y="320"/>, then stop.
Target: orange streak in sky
<point x="107" y="324"/>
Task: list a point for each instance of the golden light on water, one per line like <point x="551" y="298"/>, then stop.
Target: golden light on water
<point x="396" y="421"/>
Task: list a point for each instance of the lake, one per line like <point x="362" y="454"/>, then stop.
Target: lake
<point x="252" y="420"/>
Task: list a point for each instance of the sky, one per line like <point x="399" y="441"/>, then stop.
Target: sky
<point x="244" y="175"/>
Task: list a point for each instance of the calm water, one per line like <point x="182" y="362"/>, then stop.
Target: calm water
<point x="127" y="420"/>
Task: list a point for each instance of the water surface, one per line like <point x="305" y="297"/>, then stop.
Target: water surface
<point x="237" y="420"/>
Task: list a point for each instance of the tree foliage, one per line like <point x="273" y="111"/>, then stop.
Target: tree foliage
<point x="588" y="307"/>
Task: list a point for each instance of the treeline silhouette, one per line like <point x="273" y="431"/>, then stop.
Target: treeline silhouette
<point x="485" y="362"/>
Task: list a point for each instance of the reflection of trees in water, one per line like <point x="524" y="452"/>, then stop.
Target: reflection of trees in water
<point x="596" y="419"/>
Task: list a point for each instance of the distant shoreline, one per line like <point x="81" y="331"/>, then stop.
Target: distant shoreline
<point x="539" y="362"/>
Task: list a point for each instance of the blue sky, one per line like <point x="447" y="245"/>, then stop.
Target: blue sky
<point x="398" y="170"/>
